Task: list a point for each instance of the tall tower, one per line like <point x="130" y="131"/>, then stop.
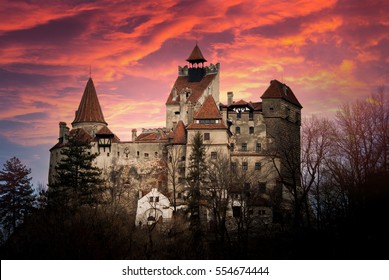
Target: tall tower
<point x="89" y="115"/>
<point x="193" y="84"/>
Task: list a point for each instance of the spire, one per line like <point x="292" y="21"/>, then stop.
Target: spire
<point x="196" y="56"/>
<point x="89" y="109"/>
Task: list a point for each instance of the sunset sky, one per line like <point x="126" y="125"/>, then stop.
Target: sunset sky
<point x="328" y="52"/>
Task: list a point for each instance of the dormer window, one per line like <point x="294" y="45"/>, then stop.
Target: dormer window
<point x="104" y="142"/>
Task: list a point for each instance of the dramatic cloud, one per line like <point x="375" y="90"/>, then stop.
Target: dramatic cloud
<point x="328" y="52"/>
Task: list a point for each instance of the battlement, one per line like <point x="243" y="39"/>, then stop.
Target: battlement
<point x="211" y="69"/>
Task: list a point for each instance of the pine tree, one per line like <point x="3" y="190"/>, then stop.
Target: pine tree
<point x="197" y="172"/>
<point x="77" y="182"/>
<point x="196" y="179"/>
<point x="16" y="194"/>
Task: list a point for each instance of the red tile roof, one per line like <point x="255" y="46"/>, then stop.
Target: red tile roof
<point x="206" y="126"/>
<point x="153" y="136"/>
<point x="197" y="88"/>
<point x="106" y="131"/>
<point x="208" y="110"/>
<point x="196" y="56"/>
<point x="89" y="109"/>
<point x="179" y="134"/>
<point x="280" y="90"/>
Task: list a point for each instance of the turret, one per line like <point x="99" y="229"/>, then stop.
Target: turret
<point x="196" y="69"/>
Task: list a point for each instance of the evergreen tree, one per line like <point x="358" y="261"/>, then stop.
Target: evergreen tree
<point x="77" y="182"/>
<point x="196" y="179"/>
<point x="16" y="194"/>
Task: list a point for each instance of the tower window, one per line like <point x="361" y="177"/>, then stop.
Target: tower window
<point x="137" y="153"/>
<point x="151" y="199"/>
<point x="251" y="115"/>
<point x="233" y="166"/>
<point x="244" y="147"/>
<point x="176" y="112"/>
<point x="213" y="155"/>
<point x="156" y="154"/>
<point x="245" y="165"/>
<point x="251" y="130"/>
<point x="258" y="147"/>
<point x="237" y="129"/>
<point x="257" y="165"/>
<point x="146" y="155"/>
<point x="238" y="114"/>
<point x="232" y="146"/>
<point x="207" y="136"/>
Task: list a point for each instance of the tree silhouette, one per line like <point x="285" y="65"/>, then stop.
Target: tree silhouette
<point x="16" y="194"/>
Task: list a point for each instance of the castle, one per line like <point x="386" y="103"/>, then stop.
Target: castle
<point x="240" y="131"/>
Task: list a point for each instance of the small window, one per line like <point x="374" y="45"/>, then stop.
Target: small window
<point x="183" y="158"/>
<point x="179" y="195"/>
<point x="157" y="199"/>
<point x="156" y="154"/>
<point x="151" y="199"/>
<point x="206" y="136"/>
<point x="233" y="166"/>
<point x="251" y="115"/>
<point x="213" y="155"/>
<point x="182" y="169"/>
<point x="238" y="114"/>
<point x="118" y="154"/>
<point x="137" y="153"/>
<point x="146" y="155"/>
<point x="271" y="109"/>
<point x="245" y="165"/>
<point x="181" y="180"/>
<point x="258" y="147"/>
<point x="232" y="146"/>
<point x="262" y="187"/>
<point x="107" y="154"/>
<point x="251" y="130"/>
<point x="236" y="211"/>
<point x="244" y="147"/>
<point x="257" y="165"/>
<point x="237" y="129"/>
<point x="261" y="212"/>
<point x="88" y="154"/>
<point x="176" y="112"/>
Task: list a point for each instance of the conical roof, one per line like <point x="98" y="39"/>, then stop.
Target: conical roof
<point x="196" y="56"/>
<point x="89" y="109"/>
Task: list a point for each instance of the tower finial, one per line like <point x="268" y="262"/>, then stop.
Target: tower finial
<point x="90" y="71"/>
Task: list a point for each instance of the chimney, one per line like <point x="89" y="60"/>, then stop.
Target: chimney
<point x="63" y="132"/>
<point x="230" y="96"/>
<point x="134" y="131"/>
